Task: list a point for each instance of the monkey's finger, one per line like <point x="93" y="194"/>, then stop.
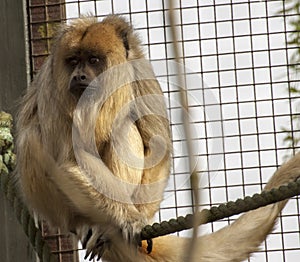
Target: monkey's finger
<point x="92" y="256"/>
<point x="87" y="253"/>
<point x="98" y="249"/>
<point x="100" y="252"/>
<point x="149" y="246"/>
<point x="87" y="238"/>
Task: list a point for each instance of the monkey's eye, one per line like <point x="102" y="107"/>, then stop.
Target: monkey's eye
<point x="94" y="60"/>
<point x="73" y="61"/>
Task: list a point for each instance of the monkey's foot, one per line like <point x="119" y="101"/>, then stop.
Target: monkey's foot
<point x="95" y="243"/>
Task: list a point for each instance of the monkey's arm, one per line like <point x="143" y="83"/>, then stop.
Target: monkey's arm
<point x="91" y="189"/>
<point x="88" y="194"/>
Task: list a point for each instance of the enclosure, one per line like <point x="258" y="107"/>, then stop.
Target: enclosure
<point x="241" y="62"/>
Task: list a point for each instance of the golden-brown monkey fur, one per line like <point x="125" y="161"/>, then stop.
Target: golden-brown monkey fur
<point x="73" y="197"/>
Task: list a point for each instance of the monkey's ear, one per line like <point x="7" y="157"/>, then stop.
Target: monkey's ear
<point x="124" y="36"/>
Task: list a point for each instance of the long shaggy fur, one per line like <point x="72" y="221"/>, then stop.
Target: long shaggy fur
<point x="73" y="168"/>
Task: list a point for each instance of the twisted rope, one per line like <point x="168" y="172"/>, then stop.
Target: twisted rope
<point x="25" y="219"/>
<point x="222" y="211"/>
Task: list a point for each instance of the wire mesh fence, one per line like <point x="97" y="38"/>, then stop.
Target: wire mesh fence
<point x="239" y="66"/>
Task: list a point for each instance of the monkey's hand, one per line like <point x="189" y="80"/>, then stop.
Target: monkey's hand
<point x="97" y="239"/>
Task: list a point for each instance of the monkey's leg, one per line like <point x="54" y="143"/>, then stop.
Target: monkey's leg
<point x="89" y="200"/>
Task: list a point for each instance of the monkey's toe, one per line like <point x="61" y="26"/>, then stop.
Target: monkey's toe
<point x="149" y="245"/>
<point x="87" y="238"/>
<point x="101" y="245"/>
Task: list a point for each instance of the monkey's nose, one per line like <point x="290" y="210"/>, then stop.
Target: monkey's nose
<point x="80" y="78"/>
<point x="78" y="84"/>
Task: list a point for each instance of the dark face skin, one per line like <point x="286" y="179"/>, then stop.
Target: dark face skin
<point x="84" y="67"/>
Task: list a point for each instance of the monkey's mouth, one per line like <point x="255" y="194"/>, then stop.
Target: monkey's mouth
<point x="77" y="89"/>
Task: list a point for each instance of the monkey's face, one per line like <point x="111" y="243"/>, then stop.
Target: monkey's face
<point x="86" y="50"/>
<point x="84" y="66"/>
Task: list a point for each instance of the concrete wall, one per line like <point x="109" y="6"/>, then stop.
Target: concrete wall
<point x="13" y="70"/>
<point x="14" y="244"/>
<point x="13" y="81"/>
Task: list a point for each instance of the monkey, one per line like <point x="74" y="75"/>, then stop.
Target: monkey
<point x="94" y="151"/>
<point x="129" y="119"/>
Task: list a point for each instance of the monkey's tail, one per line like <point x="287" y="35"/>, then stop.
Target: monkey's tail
<point x="235" y="242"/>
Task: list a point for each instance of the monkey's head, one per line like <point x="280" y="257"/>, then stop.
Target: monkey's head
<point x="86" y="48"/>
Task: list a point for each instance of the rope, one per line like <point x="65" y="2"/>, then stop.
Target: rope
<point x="7" y="163"/>
<point x="25" y="219"/>
<point x="222" y="211"/>
<point x="7" y="186"/>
